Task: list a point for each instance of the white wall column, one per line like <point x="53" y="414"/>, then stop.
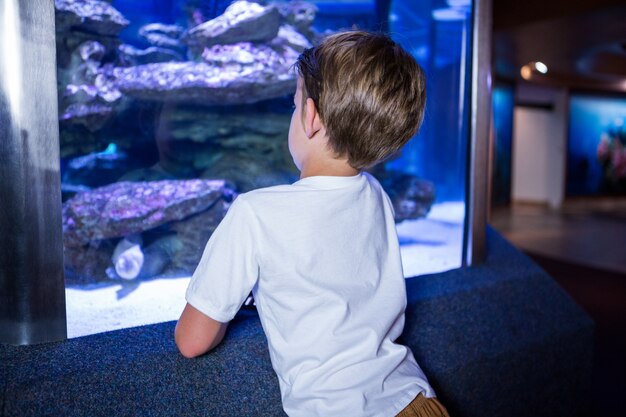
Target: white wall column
<point x="539" y="146"/>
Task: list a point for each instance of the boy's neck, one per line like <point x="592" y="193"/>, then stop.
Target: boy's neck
<point x="334" y="168"/>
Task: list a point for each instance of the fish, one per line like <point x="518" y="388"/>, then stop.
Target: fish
<point x="128" y="258"/>
<point x="131" y="261"/>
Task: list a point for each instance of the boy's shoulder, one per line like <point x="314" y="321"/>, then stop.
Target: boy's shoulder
<point x="282" y="188"/>
<point x="267" y="192"/>
<point x="266" y="196"/>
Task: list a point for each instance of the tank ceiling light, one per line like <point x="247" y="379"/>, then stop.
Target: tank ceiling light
<point x="459" y="3"/>
<point x="526" y="72"/>
<point x="541" y="67"/>
<point x="449" y="15"/>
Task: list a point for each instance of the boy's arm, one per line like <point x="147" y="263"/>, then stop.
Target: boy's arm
<point x="197" y="333"/>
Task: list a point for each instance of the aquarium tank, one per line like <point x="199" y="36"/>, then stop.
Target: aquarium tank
<point x="169" y="109"/>
<point x="596" y="150"/>
<point x="502" y="104"/>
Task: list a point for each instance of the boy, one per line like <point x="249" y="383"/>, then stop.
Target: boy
<point x="321" y="256"/>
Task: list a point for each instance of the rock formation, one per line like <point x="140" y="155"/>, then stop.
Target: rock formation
<point x="94" y="16"/>
<point x="124" y="208"/>
<point x="182" y="214"/>
<point x="162" y="35"/>
<point x="242" y="21"/>
<point x="208" y="85"/>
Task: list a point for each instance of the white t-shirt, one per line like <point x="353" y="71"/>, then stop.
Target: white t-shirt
<point x="322" y="259"/>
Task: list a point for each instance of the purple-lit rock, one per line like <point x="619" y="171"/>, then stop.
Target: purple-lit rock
<point x="247" y="57"/>
<point x="79" y="93"/>
<point x="91" y="51"/>
<point x="94" y="16"/>
<point x="299" y="14"/>
<point x="206" y="84"/>
<point x="89" y="95"/>
<point x="130" y="55"/>
<point x="97" y="85"/>
<point x="164" y="37"/>
<point x="289" y="36"/>
<point x="91" y="115"/>
<point x="169" y="35"/>
<point x="125" y="208"/>
<point x="241" y="21"/>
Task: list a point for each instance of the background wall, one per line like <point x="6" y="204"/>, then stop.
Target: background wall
<point x="539" y="145"/>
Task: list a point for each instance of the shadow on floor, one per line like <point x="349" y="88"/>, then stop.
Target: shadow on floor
<point x="583" y="247"/>
<point x="603" y="295"/>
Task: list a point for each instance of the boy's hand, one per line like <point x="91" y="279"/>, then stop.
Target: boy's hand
<point x="197" y="333"/>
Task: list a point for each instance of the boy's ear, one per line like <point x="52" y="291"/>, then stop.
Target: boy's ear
<point x="312" y="122"/>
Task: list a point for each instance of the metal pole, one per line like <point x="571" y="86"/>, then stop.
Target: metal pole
<point x="32" y="288"/>
<point x="480" y="107"/>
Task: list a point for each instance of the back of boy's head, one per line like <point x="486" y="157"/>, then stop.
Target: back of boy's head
<point x="369" y="92"/>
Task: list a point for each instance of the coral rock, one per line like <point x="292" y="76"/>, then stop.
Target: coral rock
<point x="91" y="115"/>
<point x="125" y="208"/>
<point x="289" y="36"/>
<point x="241" y="21"/>
<point x="135" y="56"/>
<point x="171" y="31"/>
<point x="205" y="84"/>
<point x="163" y="36"/>
<point x="299" y="14"/>
<point x="94" y="16"/>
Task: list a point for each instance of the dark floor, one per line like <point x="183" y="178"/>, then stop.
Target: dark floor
<point x="583" y="247"/>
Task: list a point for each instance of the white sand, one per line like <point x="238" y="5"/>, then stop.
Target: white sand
<point x="102" y="308"/>
<point x="433" y="244"/>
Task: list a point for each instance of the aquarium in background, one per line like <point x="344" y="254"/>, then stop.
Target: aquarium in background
<point x="171" y="108"/>
<point x="596" y="151"/>
<point x="502" y="102"/>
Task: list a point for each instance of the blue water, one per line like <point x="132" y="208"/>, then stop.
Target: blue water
<point x="502" y="101"/>
<point x="439" y="151"/>
<point x="150" y="138"/>
<point x="147" y="139"/>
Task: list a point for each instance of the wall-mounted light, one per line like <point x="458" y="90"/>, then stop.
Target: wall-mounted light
<point x="535" y="66"/>
<point x="526" y="72"/>
<point x="541" y="67"/>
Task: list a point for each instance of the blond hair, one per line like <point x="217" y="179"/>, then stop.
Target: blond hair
<point x="369" y="92"/>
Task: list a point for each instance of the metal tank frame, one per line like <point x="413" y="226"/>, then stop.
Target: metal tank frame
<point x="477" y="177"/>
<point x="32" y="284"/>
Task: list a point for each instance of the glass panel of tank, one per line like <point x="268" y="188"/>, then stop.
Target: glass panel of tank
<point x="170" y="108"/>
